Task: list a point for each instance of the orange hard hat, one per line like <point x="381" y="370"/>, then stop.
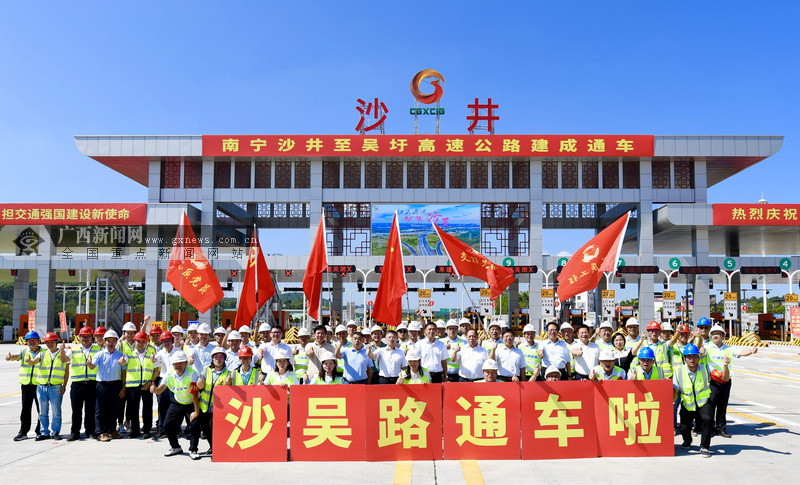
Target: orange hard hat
<point x="683" y="329"/>
<point x="141" y="336"/>
<point x="100" y="331"/>
<point x="50" y="337"/>
<point x="167" y="336"/>
<point x="86" y="331"/>
<point x="245" y="352"/>
<point x="654" y="325"/>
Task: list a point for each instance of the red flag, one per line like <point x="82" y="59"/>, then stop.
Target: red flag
<point x="392" y="286"/>
<point x="468" y="262"/>
<point x="190" y="272"/>
<point x="317" y="264"/>
<point x="585" y="268"/>
<point x="257" y="288"/>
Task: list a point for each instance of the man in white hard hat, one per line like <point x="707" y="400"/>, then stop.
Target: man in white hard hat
<point x="606" y="371"/>
<point x="584" y="353"/>
<point x="403" y="342"/>
<point x="441" y="328"/>
<point x="234" y="341"/>
<point x="568" y="336"/>
<point x="494" y="338"/>
<point x="463" y="326"/>
<point x="110" y="364"/>
<point x="451" y="342"/>
<point x="376" y="342"/>
<point x="219" y="336"/>
<point x="245" y="332"/>
<point x="414" y="328"/>
<point x="666" y="332"/>
<point x="716" y="352"/>
<point x="126" y="345"/>
<point x="632" y="326"/>
<point x="530" y="350"/>
<point x="552" y="374"/>
<point x="471" y="358"/>
<point x="605" y="332"/>
<point x="184" y="403"/>
<point x="263" y="333"/>
<point x="178" y="333"/>
<point x="489" y="371"/>
<point x="352" y="327"/>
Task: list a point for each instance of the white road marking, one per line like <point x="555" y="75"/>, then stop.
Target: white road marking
<point x="777" y="420"/>
<point x="10" y="403"/>
<point x="753" y="403"/>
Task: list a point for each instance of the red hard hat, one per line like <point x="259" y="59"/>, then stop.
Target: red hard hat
<point x="50" y="337"/>
<point x="654" y="325"/>
<point x="100" y="331"/>
<point x="155" y="331"/>
<point x="683" y="329"/>
<point x="167" y="336"/>
<point x="245" y="352"/>
<point x="86" y="331"/>
<point x="141" y="336"/>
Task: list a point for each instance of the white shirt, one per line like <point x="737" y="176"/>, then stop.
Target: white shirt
<point x="432" y="354"/>
<point x="585" y="363"/>
<point x="390" y="362"/>
<point x="472" y="359"/>
<point x="509" y="361"/>
<point x="202" y="356"/>
<point x="163" y="359"/>
<point x="268" y="362"/>
<point x="555" y="353"/>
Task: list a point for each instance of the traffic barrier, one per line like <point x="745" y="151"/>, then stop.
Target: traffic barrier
<point x="529" y="420"/>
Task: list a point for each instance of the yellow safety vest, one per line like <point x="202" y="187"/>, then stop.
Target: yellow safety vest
<point x="531" y="353"/>
<point x="695" y="393"/>
<point x="127" y="349"/>
<point x="424" y="377"/>
<point x="616" y="373"/>
<point x="301" y="364"/>
<point x="78" y="370"/>
<point x="251" y="380"/>
<point x="180" y="386"/>
<point x="50" y="371"/>
<point x="207" y="393"/>
<point x="655" y="373"/>
<point x="275" y="379"/>
<point x="320" y="380"/>
<point x="139" y="372"/>
<point x="453" y="367"/>
<point x="27" y="371"/>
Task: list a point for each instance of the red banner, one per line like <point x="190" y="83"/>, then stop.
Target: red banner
<point x="558" y="420"/>
<point x="327" y="423"/>
<point x="31" y="320"/>
<point x="428" y="145"/>
<point x="481" y="421"/>
<point x="794" y="320"/>
<point x="405" y="422"/>
<point x="73" y="214"/>
<point x="62" y="319"/>
<point x="250" y="423"/>
<point x="634" y="418"/>
<point x="756" y="214"/>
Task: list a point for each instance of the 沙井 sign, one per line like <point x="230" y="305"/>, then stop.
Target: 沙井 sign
<point x="73" y="214"/>
<point x="756" y="214"/>
<point x="428" y="145"/>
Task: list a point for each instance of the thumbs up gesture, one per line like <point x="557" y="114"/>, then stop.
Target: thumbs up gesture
<point x="8" y="357"/>
<point x="62" y="346"/>
<point x="456" y="347"/>
<point x="447" y="345"/>
<point x="726" y="360"/>
<point x="153" y="358"/>
<point x="123" y="360"/>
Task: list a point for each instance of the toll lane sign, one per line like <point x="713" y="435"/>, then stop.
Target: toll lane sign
<point x="730" y="305"/>
<point x="548" y="298"/>
<point x="424" y="303"/>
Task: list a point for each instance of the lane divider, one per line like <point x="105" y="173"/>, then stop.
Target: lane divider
<point x="402" y="473"/>
<point x="472" y="472"/>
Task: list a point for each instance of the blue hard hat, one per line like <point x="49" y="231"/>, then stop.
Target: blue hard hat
<point x="690" y="349"/>
<point x="647" y="353"/>
<point x="31" y="334"/>
<point x="703" y="322"/>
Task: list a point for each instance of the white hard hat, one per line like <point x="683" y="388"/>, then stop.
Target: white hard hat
<point x="402" y="326"/>
<point x="281" y="354"/>
<point x="552" y="370"/>
<point x="494" y="323"/>
<point x="452" y="323"/>
<point x="607" y="324"/>
<point x="667" y="326"/>
<point x="413" y="354"/>
<point x="264" y="327"/>
<point x="340" y="328"/>
<point x="328" y="328"/>
<point x="110" y="334"/>
<point x="632" y="322"/>
<point x="503" y="324"/>
<point x="352" y="323"/>
<point x="326" y="356"/>
<point x="529" y="328"/>
<point x="716" y="328"/>
<point x="489" y="364"/>
<point x="219" y="330"/>
<point x="566" y="326"/>
<point x="234" y="335"/>
<point x="245" y="329"/>
<point x="589" y="323"/>
<point x="414" y="326"/>
<point x="440" y="323"/>
<point x="606" y="355"/>
<point x="178" y="356"/>
<point x="464" y="320"/>
<point x="129" y="327"/>
<point x="193" y="327"/>
<point x="176" y="329"/>
<point x="218" y="350"/>
<point x="303" y="332"/>
<point x="376" y="328"/>
<point x="204" y="328"/>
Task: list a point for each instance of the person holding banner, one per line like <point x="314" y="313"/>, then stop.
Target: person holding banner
<point x="213" y="375"/>
<point x="413" y="373"/>
<point x="606" y="371"/>
<point x="434" y="354"/>
<point x="328" y="373"/>
<point x="471" y="357"/>
<point x="282" y="375"/>
<point x="244" y="374"/>
<point x="489" y="371"/>
<point x="356" y="364"/>
<point x="692" y="385"/>
<point x="510" y="360"/>
<point x="552" y="374"/>
<point x="182" y="382"/>
<point x="390" y="359"/>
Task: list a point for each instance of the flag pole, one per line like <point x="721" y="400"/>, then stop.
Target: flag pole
<point x="254" y="244"/>
<point x="472" y="303"/>
<point x="455" y="270"/>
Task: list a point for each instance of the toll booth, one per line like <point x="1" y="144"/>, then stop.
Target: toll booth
<point x="576" y="317"/>
<point x="519" y="318"/>
<point x="771" y="326"/>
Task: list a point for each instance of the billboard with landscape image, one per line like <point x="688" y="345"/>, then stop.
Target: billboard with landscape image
<point x="416" y="232"/>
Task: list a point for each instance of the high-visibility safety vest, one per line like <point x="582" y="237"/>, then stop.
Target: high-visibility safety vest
<point x="275" y="379"/>
<point x="50" y="371"/>
<point x="695" y="393"/>
<point x="453" y="367"/>
<point x="301" y="364"/>
<point x="663" y="358"/>
<point x="676" y="356"/>
<point x="206" y="396"/>
<point x="321" y="380"/>
<point x="26" y="371"/>
<point x="127" y="349"/>
<point x="531" y="353"/>
<point x="488" y="344"/>
<point x="655" y="373"/>
<point x="238" y="377"/>
<point x="715" y="357"/>
<point x="616" y="373"/>
<point x="181" y="386"/>
<point x="78" y="370"/>
<point x="139" y="372"/>
<point x="604" y="346"/>
<point x="423" y="378"/>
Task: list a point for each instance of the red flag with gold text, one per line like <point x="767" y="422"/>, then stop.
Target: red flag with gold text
<point x="189" y="271"/>
<point x="257" y="288"/>
<point x="468" y="262"/>
<point x="585" y="268"/>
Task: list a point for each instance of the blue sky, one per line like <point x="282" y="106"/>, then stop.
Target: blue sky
<point x="105" y="68"/>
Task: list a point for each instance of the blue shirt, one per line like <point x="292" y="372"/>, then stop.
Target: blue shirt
<point x="355" y="363"/>
<point x="108" y="366"/>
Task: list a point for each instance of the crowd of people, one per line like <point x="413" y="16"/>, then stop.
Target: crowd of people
<point x="113" y="380"/>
